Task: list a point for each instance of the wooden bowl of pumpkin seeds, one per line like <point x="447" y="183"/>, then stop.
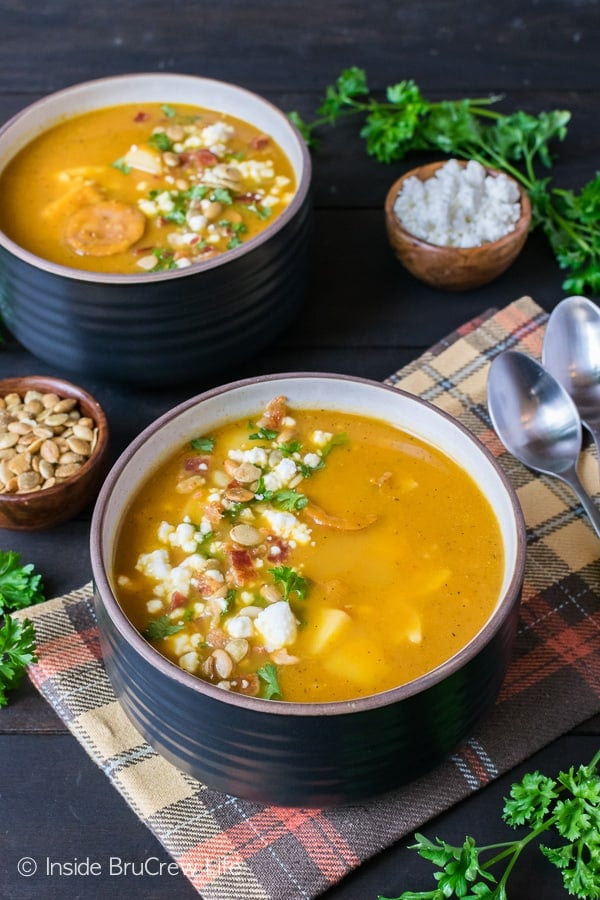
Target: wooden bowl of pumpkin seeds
<point x="53" y="450"/>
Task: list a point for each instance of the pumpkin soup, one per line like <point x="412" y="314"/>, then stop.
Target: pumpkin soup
<point x="309" y="555"/>
<point x="143" y="188"/>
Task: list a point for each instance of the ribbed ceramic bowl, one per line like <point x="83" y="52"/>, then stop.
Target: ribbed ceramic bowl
<point x="164" y="327"/>
<point x="288" y="753"/>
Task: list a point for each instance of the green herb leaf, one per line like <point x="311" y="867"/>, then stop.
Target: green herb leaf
<point x="203" y="444"/>
<point x="263" y="434"/>
<point x="291" y="582"/>
<point x="17" y="651"/>
<point x="268" y="674"/>
<point x="160" y="141"/>
<point x="289" y="500"/>
<point x="161" y="628"/>
<point x="222" y="195"/>
<point x="537" y="801"/>
<point x="122" y="166"/>
<point x="164" y="259"/>
<point x="338" y="440"/>
<point x="20" y="586"/>
<point x="169" y="111"/>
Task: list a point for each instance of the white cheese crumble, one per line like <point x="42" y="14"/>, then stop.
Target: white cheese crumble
<point x="459" y="206"/>
<point x="287" y="526"/>
<point x="277" y="625"/>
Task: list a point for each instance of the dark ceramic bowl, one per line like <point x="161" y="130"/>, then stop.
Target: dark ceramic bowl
<point x="47" y="507"/>
<point x="164" y="327"/>
<point x="287" y="753"/>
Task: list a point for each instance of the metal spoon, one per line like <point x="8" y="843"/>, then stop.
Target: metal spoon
<point x="537" y="421"/>
<point x="571" y="353"/>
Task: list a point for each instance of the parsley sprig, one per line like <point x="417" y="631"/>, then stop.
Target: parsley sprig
<point x="568" y="806"/>
<point x="291" y="582"/>
<point x="20" y="586"/>
<point x="517" y="143"/>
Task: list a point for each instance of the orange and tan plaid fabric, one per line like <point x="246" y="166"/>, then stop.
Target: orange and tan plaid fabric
<point x="230" y="848"/>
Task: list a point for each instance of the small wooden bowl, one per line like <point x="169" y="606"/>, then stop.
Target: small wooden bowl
<point x="453" y="268"/>
<point x="46" y="507"/>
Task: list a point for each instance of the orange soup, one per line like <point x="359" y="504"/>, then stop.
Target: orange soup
<point x="143" y="188"/>
<point x="309" y="556"/>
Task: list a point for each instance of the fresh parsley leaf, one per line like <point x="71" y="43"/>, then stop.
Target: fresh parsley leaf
<point x="160" y="141"/>
<point x="263" y="212"/>
<point x="164" y="259"/>
<point x="203" y="444"/>
<point x="291" y="582"/>
<point x="289" y="500"/>
<point x="268" y="674"/>
<point x="169" y="111"/>
<point x="290" y="447"/>
<point x="569" y="806"/>
<point x="20" y="586"/>
<point x="338" y="440"/>
<point x="17" y="651"/>
<point x="222" y="195"/>
<point x="122" y="166"/>
<point x="263" y="434"/>
<point x="161" y="628"/>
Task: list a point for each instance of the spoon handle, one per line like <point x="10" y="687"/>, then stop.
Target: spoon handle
<point x="594" y="429"/>
<point x="586" y="501"/>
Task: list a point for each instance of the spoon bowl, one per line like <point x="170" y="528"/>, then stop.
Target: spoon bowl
<point x="537" y="421"/>
<point x="571" y="353"/>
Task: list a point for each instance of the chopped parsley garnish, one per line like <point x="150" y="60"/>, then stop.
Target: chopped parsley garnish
<point x="160" y="141"/>
<point x="336" y="441"/>
<point x="161" y="628"/>
<point x="291" y="582"/>
<point x="222" y="195"/>
<point x="268" y="674"/>
<point x="164" y="259"/>
<point x="263" y="212"/>
<point x="169" y="111"/>
<point x="122" y="166"/>
<point x="291" y="447"/>
<point x="289" y="500"/>
<point x="203" y="444"/>
<point x="263" y="434"/>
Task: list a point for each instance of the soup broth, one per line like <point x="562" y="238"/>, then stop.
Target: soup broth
<point x="143" y="188"/>
<point x="309" y="556"/>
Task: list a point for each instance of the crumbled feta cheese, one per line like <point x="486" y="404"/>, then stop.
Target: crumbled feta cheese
<point x="286" y="525"/>
<point x="217" y="133"/>
<point x="280" y="475"/>
<point x="277" y="625"/>
<point x="256" y="455"/>
<point x="321" y="438"/>
<point x="459" y="206"/>
<point x="154" y="565"/>
<point x="155" y="605"/>
<point x="240" y="627"/>
<point x="312" y="460"/>
<point x="257" y="171"/>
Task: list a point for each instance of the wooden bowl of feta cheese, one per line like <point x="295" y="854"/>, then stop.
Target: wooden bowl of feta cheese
<point x="455" y="224"/>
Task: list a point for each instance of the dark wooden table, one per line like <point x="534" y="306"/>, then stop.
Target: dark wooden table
<point x="363" y="315"/>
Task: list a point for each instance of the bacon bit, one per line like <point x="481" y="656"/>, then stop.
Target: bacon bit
<point x="196" y="463"/>
<point x="242" y="567"/>
<point x="142" y="251"/>
<point x="178" y="599"/>
<point x="246" y="684"/>
<point x="206" y="585"/>
<point x="259" y="142"/>
<point x="202" y="157"/>
<point x="141" y="116"/>
<point x="278" y="547"/>
<point x="213" y="512"/>
<point x="216" y="638"/>
<point x="247" y="198"/>
<point x="274" y="413"/>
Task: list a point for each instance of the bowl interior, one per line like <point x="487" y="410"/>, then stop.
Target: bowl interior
<point x="243" y="399"/>
<point x="159" y="88"/>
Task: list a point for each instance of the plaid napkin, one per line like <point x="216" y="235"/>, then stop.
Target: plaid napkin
<point x="230" y="848"/>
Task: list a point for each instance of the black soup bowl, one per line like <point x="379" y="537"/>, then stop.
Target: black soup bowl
<point x="288" y="753"/>
<point x="169" y="326"/>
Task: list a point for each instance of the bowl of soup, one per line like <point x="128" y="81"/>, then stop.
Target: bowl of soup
<point x="154" y="227"/>
<point x="307" y="586"/>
